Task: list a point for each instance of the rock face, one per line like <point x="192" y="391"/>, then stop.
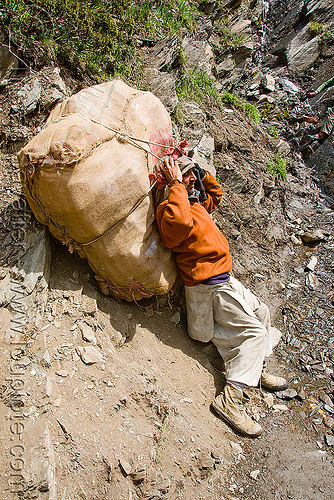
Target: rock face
<point x="198" y="55"/>
<point x="322" y="161"/>
<point x="9" y="62"/>
<point x="44" y="90"/>
<point x="162" y="85"/>
<point x="303" y="51"/>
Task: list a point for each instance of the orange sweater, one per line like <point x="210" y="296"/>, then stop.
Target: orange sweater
<point x="186" y="228"/>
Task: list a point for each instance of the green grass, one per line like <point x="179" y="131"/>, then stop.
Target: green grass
<point x="230" y="40"/>
<point x="272" y="131"/>
<point x="96" y="37"/>
<point x="196" y="85"/>
<point x="278" y="166"/>
<point x="246" y="107"/>
<point x="319" y="29"/>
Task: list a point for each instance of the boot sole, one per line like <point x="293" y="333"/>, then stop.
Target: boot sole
<point x="233" y="424"/>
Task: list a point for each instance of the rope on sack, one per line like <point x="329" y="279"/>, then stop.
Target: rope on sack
<point x="131" y="140"/>
<point x="121" y="220"/>
<point x="156" y="181"/>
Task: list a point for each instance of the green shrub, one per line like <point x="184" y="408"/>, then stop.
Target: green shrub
<point x="195" y="85"/>
<point x="97" y="37"/>
<point x="278" y="166"/>
<point x="319" y="29"/>
<point x="246" y="107"/>
<point x="272" y="131"/>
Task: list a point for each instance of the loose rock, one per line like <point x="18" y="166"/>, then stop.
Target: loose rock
<point x="329" y="438"/>
<point x="89" y="355"/>
<point x="287" y="394"/>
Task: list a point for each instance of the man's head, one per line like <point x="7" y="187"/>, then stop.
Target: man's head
<point x="187" y="169"/>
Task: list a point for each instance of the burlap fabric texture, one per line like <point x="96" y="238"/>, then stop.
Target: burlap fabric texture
<point x="83" y="178"/>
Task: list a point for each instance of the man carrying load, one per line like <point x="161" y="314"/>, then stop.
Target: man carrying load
<point x="219" y="307"/>
<point x="326" y="112"/>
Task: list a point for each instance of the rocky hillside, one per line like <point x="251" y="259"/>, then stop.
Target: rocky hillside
<point x="109" y="400"/>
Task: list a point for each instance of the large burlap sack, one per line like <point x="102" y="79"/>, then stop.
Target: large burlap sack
<point x="90" y="185"/>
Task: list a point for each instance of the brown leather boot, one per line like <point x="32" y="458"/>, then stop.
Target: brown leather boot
<point x="273" y="383"/>
<point x="228" y="404"/>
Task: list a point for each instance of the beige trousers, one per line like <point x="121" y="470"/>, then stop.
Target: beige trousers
<point x="326" y="113"/>
<point x="241" y="327"/>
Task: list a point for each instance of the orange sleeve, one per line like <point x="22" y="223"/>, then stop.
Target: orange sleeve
<point x="214" y="192"/>
<point x="173" y="216"/>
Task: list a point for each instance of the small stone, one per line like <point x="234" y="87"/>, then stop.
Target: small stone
<point x="268" y="83"/>
<point x="87" y="333"/>
<point x="268" y="399"/>
<point x="139" y="474"/>
<point x="311" y="281"/>
<point x="88" y="306"/>
<point x="75" y="356"/>
<point x="163" y="485"/>
<point x="329" y="438"/>
<point x="48" y="387"/>
<point x="295" y="240"/>
<point x="280" y="408"/>
<point x="186" y="400"/>
<point x="301" y="395"/>
<point x="62" y="373"/>
<point x="125" y="466"/>
<point x="205" y="461"/>
<point x="89" y="355"/>
<point x="3" y="274"/>
<point x="325" y="399"/>
<point x="293" y="285"/>
<point x="312" y="263"/>
<point x="288" y="86"/>
<point x="287" y="394"/>
<point x="236" y="448"/>
<point x="254" y="474"/>
<point x="75" y="275"/>
<point x="329" y="422"/>
<point x="312" y="236"/>
<point x="118" y="338"/>
<point x="45" y="360"/>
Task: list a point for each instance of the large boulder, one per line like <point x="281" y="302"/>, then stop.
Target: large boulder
<point x="303" y="51"/>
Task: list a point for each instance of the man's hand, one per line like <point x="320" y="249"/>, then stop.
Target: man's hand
<point x="311" y="93"/>
<point x="171" y="170"/>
